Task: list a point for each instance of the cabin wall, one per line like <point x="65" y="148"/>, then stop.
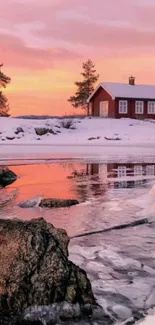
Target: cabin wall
<point x="102" y="95"/>
<point x="113" y="111"/>
<point x="131" y="109"/>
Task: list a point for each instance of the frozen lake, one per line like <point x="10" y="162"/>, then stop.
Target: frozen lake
<point x="114" y="191"/>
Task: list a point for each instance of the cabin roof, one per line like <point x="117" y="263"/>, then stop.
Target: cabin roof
<point x="123" y="90"/>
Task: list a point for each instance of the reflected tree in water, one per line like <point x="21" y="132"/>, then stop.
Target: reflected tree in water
<point x="88" y="181"/>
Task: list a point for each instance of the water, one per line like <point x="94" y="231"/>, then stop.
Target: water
<point x="120" y="264"/>
<point x="103" y="190"/>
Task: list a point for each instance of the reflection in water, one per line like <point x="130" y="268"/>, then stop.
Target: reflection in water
<point x="104" y="189"/>
<point x="77" y="181"/>
<point x="131" y="175"/>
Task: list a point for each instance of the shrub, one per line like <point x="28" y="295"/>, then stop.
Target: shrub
<point x="67" y="124"/>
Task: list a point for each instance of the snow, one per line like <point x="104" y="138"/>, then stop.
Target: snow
<point x="135" y="134"/>
<point x="127" y="91"/>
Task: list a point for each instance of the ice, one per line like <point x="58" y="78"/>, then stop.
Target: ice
<point x="150" y="320"/>
<point x="117" y="261"/>
<point x="147" y="203"/>
<point x="89" y="253"/>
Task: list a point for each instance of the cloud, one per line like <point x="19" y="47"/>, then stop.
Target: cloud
<point x="15" y="53"/>
<point x="111" y="36"/>
<point x="113" y="24"/>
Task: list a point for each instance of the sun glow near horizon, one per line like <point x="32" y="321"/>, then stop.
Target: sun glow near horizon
<point x="43" y="48"/>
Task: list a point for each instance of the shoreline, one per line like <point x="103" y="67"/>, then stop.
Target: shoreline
<point x="76" y="152"/>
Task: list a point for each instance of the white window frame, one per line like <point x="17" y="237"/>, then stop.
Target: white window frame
<point x="150" y="170"/>
<point x="123" y="106"/>
<point x="138" y="170"/>
<point x="151" y="107"/>
<point x="139" y="107"/>
<point x="121" y="171"/>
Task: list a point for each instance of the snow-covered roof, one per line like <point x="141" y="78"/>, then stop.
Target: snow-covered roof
<point x="126" y="91"/>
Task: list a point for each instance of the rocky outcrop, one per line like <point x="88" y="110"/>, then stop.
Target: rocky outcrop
<point x="43" y="131"/>
<point x="19" y="130"/>
<point x="35" y="269"/>
<point x="57" y="203"/>
<point x="6" y="176"/>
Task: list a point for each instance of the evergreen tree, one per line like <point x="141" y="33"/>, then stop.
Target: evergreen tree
<point x="85" y="87"/>
<point x="4" y="81"/>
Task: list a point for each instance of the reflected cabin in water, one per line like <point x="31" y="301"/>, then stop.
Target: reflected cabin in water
<point x="116" y="175"/>
<point x="130" y="175"/>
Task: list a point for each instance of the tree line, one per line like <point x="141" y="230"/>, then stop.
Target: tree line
<point x="84" y="88"/>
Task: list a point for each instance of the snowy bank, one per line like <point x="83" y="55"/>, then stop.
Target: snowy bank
<point x="87" y="137"/>
<point x="86" y="131"/>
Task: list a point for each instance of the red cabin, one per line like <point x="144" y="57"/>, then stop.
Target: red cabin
<point x="116" y="100"/>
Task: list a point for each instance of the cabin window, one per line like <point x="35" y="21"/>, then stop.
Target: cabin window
<point x="150" y="170"/>
<point x="138" y="170"/>
<point x="121" y="171"/>
<point x="139" y="109"/>
<point x="123" y="106"/>
<point x="151" y="108"/>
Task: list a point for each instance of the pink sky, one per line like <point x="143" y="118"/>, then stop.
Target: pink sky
<point x="43" y="45"/>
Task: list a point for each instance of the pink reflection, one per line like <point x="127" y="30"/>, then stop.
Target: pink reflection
<point x="45" y="180"/>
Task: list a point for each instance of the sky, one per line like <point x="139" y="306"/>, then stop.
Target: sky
<point x="44" y="43"/>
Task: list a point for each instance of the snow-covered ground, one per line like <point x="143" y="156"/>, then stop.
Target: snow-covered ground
<point x="95" y="137"/>
<point x="84" y="132"/>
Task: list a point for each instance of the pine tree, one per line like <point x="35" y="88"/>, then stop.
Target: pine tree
<point x="4" y="81"/>
<point x="85" y="87"/>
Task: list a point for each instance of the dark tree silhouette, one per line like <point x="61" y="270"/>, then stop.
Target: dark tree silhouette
<point x="85" y="87"/>
<point x="4" y="106"/>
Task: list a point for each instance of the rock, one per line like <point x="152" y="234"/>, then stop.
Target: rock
<point x="58" y="313"/>
<point x="93" y="138"/>
<point x="48" y="314"/>
<point x="106" y="138"/>
<point x="56" y="203"/>
<point x="7" y="177"/>
<point x="66" y="311"/>
<point x="19" y="130"/>
<point x="10" y="137"/>
<point x="41" y="131"/>
<point x="30" y="203"/>
<point x="51" y="131"/>
<point x="35" y="269"/>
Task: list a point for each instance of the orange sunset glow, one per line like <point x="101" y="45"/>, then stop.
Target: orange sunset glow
<point x="43" y="45"/>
